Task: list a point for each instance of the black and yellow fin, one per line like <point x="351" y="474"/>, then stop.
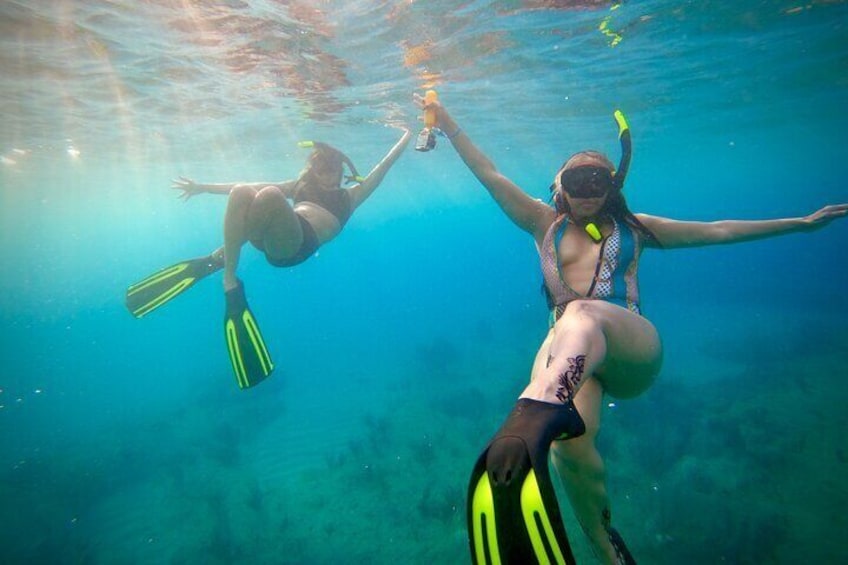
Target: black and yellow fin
<point x="248" y="354"/>
<point x="163" y="286"/>
<point x="513" y="515"/>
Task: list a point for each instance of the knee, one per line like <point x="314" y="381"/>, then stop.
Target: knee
<point x="586" y="312"/>
<point x="242" y="196"/>
<point x="269" y="200"/>
<point x="268" y="194"/>
<point x="578" y="458"/>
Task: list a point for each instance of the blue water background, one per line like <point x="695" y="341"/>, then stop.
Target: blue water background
<point x="401" y="346"/>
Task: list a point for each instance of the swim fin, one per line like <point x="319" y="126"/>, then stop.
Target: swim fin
<point x="513" y="515"/>
<point x="248" y="354"/>
<point x="160" y="287"/>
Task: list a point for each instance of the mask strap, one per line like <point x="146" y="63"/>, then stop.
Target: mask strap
<point x="354" y="176"/>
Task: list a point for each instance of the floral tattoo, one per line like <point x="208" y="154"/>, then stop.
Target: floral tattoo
<point x="570" y="379"/>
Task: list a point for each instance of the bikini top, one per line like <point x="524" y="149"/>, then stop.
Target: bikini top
<point x="615" y="277"/>
<point x="335" y="200"/>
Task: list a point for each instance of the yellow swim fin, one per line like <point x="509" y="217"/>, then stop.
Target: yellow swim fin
<point x="163" y="286"/>
<point x="513" y="515"/>
<point x="248" y="353"/>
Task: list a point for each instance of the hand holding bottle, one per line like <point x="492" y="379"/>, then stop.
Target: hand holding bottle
<point x="427" y="136"/>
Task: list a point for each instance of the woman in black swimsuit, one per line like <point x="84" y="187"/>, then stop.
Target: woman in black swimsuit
<point x="287" y="232"/>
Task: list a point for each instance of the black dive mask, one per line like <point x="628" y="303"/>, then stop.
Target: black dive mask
<point x="587" y="181"/>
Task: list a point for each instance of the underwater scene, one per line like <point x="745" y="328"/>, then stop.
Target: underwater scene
<point x="401" y="346"/>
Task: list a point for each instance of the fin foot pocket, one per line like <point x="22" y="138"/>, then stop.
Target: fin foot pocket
<point x="507" y="459"/>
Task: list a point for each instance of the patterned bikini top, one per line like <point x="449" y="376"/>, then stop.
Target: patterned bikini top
<point x="615" y="274"/>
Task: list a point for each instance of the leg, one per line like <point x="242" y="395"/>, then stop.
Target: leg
<point x="595" y="338"/>
<point x="595" y="347"/>
<point x="264" y="216"/>
<point x="581" y="470"/>
<point x="617" y="349"/>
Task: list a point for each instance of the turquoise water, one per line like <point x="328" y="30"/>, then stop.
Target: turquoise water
<point x="403" y="344"/>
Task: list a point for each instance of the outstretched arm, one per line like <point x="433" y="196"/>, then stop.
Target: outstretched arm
<point x="530" y="214"/>
<point x="363" y="190"/>
<point x="675" y="233"/>
<point x="190" y="188"/>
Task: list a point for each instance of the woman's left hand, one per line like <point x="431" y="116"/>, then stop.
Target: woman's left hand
<point x="822" y="217"/>
<point x="188" y="187"/>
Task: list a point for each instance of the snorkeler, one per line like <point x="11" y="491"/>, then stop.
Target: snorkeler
<point x="589" y="244"/>
<point x="287" y="233"/>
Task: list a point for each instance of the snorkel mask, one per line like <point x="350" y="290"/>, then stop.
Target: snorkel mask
<point x="591" y="181"/>
<point x="334" y="153"/>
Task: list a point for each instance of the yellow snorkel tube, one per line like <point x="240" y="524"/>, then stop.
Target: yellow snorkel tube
<point x="626" y="149"/>
<point x="623" y="166"/>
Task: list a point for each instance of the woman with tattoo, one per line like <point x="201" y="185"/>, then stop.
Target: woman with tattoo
<point x="599" y="343"/>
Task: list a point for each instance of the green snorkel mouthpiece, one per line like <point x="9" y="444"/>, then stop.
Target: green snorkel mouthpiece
<point x="354" y="176"/>
<point x="593" y="232"/>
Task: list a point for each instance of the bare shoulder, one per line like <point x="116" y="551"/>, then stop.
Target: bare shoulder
<point x="543" y="216"/>
<point x="652" y="222"/>
<point x="659" y="225"/>
<point x="545" y="213"/>
<point x="666" y="230"/>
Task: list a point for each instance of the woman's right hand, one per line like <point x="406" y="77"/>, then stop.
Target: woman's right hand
<point x="443" y="120"/>
<point x="188" y="187"/>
